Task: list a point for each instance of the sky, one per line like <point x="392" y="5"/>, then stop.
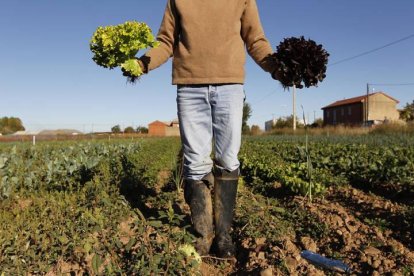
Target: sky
<point x="48" y="79"/>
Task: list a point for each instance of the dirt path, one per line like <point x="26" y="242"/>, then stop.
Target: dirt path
<point x="393" y="219"/>
<point x="366" y="231"/>
<point x="394" y="192"/>
<point x="369" y="233"/>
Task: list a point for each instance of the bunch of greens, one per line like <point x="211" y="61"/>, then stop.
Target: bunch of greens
<point x="118" y="45"/>
<point x="300" y="62"/>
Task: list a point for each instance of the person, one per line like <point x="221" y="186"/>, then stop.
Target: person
<point x="207" y="41"/>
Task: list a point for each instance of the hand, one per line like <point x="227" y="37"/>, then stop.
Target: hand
<point x="276" y="75"/>
<point x="126" y="73"/>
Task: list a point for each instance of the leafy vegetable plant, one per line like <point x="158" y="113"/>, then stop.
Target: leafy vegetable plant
<point x="300" y="62"/>
<point x="118" y="45"/>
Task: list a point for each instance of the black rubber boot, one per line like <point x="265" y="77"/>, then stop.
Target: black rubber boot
<point x="225" y="191"/>
<point x="198" y="196"/>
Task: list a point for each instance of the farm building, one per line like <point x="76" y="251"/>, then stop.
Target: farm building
<point x="373" y="109"/>
<point x="24" y="132"/>
<point x="158" y="128"/>
<point x="269" y="124"/>
<point x="53" y="132"/>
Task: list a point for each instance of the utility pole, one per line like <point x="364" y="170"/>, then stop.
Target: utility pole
<point x="294" y="107"/>
<point x="367" y="106"/>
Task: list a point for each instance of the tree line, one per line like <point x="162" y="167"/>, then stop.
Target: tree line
<point x="407" y="113"/>
<point x="129" y="129"/>
<point x="9" y="125"/>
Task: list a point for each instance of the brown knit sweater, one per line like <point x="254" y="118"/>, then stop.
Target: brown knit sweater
<point x="206" y="40"/>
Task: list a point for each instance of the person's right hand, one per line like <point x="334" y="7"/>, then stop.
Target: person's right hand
<point x="126" y="73"/>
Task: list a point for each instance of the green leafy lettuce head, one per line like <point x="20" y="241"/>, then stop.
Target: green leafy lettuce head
<point x="114" y="46"/>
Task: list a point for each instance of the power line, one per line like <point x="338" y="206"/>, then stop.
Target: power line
<point x="357" y="56"/>
<point x="373" y="50"/>
<point x="264" y="97"/>
<point x="392" y="84"/>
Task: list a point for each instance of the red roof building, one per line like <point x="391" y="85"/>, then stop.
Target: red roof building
<point x="158" y="128"/>
<point x="372" y="109"/>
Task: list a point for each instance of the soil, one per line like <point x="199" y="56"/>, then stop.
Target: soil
<point x="370" y="233"/>
<point x="373" y="235"/>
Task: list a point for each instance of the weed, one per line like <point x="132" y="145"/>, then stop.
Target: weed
<point x="381" y="223"/>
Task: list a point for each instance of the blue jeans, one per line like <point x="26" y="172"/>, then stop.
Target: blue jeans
<point x="207" y="114"/>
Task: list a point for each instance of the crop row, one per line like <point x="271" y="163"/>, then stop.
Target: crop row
<point x="75" y="208"/>
<point x="300" y="166"/>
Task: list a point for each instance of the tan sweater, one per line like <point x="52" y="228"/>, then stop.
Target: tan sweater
<point x="207" y="38"/>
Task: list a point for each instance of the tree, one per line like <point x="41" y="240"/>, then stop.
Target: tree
<point x="116" y="129"/>
<point x="407" y="113"/>
<point x="255" y="130"/>
<point x="9" y="125"/>
<point x="317" y="123"/>
<point x="142" y="129"/>
<point x="287" y="122"/>
<point x="129" y="129"/>
<point x="247" y="113"/>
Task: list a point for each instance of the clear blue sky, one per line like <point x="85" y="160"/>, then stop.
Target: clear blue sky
<point x="47" y="77"/>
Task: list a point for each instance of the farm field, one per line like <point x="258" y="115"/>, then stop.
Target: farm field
<point x="116" y="207"/>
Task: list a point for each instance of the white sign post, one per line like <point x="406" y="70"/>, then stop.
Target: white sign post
<point x="294" y="107"/>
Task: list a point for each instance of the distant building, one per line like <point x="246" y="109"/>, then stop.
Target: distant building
<point x="159" y="128"/>
<point x="270" y="124"/>
<point x="24" y="132"/>
<point x="379" y="108"/>
<point x="54" y="132"/>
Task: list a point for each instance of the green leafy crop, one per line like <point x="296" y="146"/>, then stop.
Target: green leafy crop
<point x="118" y="45"/>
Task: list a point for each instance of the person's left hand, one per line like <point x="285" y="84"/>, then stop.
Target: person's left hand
<point x="276" y="75"/>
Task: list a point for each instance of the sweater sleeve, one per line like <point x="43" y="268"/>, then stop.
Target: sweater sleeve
<point x="167" y="36"/>
<point x="253" y="36"/>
